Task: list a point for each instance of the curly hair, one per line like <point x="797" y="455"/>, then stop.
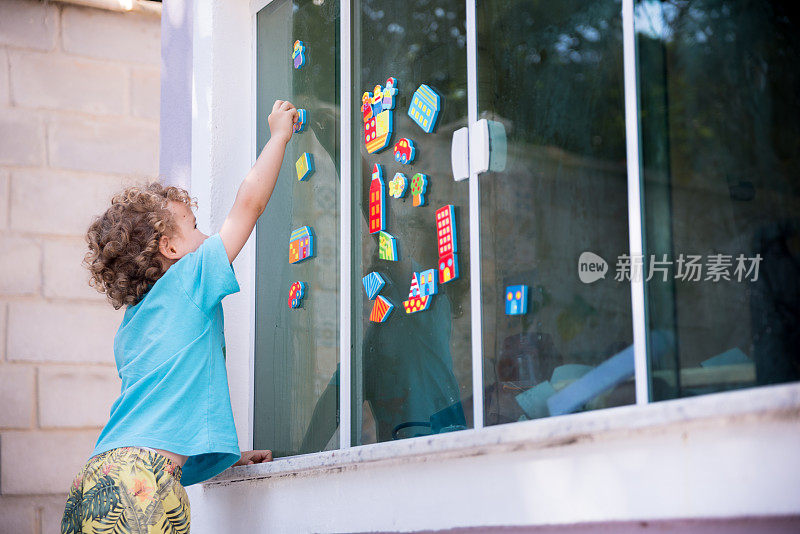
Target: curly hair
<point x="123" y="258"/>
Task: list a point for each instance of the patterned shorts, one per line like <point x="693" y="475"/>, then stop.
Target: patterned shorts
<point x="127" y="490"/>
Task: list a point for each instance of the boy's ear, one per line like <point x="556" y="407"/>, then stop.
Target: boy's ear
<point x="167" y="248"/>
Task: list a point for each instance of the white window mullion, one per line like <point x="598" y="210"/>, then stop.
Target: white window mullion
<point x="474" y="225"/>
<point x="345" y="218"/>
<point x="634" y="201"/>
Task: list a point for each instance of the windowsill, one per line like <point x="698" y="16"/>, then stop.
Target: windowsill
<point x="769" y="402"/>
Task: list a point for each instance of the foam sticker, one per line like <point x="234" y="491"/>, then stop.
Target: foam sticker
<point x="299" y="54"/>
<point x="416" y="301"/>
<point x="304" y="166"/>
<point x="301" y="244"/>
<point x="302" y="118"/>
<point x="398" y="185"/>
<point x="446" y="243"/>
<point x="377" y="201"/>
<point x="424" y="108"/>
<point x="376" y="111"/>
<point x="427" y="283"/>
<point x="381" y="310"/>
<point x="296" y="293"/>
<point x="517" y="300"/>
<point x="419" y="184"/>
<point x="387" y="246"/>
<point x="373" y="283"/>
<point x="405" y="151"/>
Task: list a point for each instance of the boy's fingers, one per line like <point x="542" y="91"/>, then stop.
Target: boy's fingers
<point x="277" y="105"/>
<point x="286" y="105"/>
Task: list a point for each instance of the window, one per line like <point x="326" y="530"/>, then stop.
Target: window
<point x="641" y="141"/>
<point x="296" y="349"/>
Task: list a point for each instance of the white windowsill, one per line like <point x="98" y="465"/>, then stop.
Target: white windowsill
<point x="768" y="402"/>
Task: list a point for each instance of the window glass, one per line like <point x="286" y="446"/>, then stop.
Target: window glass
<point x="296" y="349"/>
<point x="554" y="218"/>
<point x="720" y="124"/>
<point x="411" y="373"/>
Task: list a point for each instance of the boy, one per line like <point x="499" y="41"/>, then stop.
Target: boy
<point x="173" y="419"/>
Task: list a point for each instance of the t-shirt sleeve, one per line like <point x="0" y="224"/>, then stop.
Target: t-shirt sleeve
<point x="207" y="275"/>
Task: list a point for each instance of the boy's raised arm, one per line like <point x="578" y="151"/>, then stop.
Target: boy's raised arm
<point x="257" y="186"/>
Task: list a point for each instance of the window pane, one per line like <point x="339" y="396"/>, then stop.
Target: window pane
<point x="296" y="349"/>
<point x="551" y="73"/>
<point x="412" y="373"/>
<point x="720" y="121"/>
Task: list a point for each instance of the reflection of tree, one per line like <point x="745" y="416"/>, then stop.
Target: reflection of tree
<point x="725" y="71"/>
<point x="720" y="123"/>
<point x="558" y="66"/>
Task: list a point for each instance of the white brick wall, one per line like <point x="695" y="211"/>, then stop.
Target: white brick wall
<point x="41" y="331"/>
<point x="23" y="138"/>
<point x="29" y="25"/>
<point x="105" y="145"/>
<point x="55" y="81"/>
<point x="100" y="34"/>
<point x="70" y="199"/>
<point x="79" y="108"/>
<point x="40" y="462"/>
<point x="17" y="395"/>
<point x="63" y="401"/>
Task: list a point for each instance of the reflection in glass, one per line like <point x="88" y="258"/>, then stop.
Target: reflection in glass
<point x="551" y="73"/>
<point x="411" y="374"/>
<point x="720" y="123"/>
<point x="296" y="350"/>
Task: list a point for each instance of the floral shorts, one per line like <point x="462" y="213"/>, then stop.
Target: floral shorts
<point x="130" y="490"/>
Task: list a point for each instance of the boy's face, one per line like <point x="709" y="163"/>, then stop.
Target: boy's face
<point x="187" y="237"/>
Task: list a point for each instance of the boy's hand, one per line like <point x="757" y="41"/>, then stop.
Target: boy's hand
<point x="281" y="120"/>
<point x="254" y="457"/>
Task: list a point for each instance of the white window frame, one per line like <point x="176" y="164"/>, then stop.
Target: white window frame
<point x="540" y="433"/>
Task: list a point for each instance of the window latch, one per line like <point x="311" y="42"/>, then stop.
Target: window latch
<point x="478" y="148"/>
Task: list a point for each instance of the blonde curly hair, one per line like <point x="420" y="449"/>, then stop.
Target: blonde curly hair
<point x="123" y="258"/>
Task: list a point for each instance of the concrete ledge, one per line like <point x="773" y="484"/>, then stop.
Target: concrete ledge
<point x="780" y="402"/>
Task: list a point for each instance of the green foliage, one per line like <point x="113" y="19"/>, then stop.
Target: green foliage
<point x="71" y="521"/>
<point x="416" y="184"/>
<point x="114" y="522"/>
<point x="176" y="520"/>
<point x="98" y="501"/>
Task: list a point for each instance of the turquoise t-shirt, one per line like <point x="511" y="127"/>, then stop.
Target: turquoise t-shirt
<point x="170" y="354"/>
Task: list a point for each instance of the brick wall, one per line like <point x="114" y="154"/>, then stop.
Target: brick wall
<point x="79" y="97"/>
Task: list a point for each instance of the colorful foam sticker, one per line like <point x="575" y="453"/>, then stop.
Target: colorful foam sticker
<point x="424" y="108"/>
<point x="373" y="283"/>
<point x="419" y="184"/>
<point x="398" y="185"/>
<point x="302" y="119"/>
<point x="405" y="151"/>
<point x="387" y="246"/>
<point x="299" y="54"/>
<point x="381" y="310"/>
<point x="427" y="283"/>
<point x="416" y="301"/>
<point x="376" y="112"/>
<point x="377" y="201"/>
<point x="301" y="244"/>
<point x="517" y="300"/>
<point x="304" y="166"/>
<point x="447" y="243"/>
<point x="296" y="293"/>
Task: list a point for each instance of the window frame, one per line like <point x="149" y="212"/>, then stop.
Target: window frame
<point x="539" y="432"/>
